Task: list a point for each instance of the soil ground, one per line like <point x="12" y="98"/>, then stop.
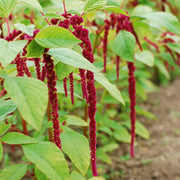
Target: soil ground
<point x="159" y="157"/>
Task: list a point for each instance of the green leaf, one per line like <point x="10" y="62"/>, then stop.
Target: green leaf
<point x="34" y="50"/>
<point x="141" y="10"/>
<point x="6" y="6"/>
<point x="141" y="130"/>
<point x="114" y="9"/>
<point x="105" y="130"/>
<point x="6" y="107"/>
<point x="48" y="158"/>
<point x="55" y="37"/>
<point x="32" y="4"/>
<point x="25" y="29"/>
<point x="174" y="46"/>
<point x="145" y="57"/>
<point x="164" y="19"/>
<point x="103" y="156"/>
<point x="63" y="70"/>
<point x="75" y="120"/>
<point x="1" y="151"/>
<point x="76" y="176"/>
<point x="124" y="45"/>
<point x="4" y="127"/>
<point x="72" y="58"/>
<point x="18" y="138"/>
<point x="39" y="174"/>
<point x="13" y="172"/>
<point x="92" y="5"/>
<point x="110" y="147"/>
<point x="97" y="178"/>
<point x="76" y="146"/>
<point x="122" y="135"/>
<point x="9" y="50"/>
<point x="31" y="97"/>
<point x="111" y="88"/>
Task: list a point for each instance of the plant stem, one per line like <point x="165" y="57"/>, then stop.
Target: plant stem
<point x="24" y="124"/>
<point x="64" y="5"/>
<point x="45" y="18"/>
<point x="8" y="27"/>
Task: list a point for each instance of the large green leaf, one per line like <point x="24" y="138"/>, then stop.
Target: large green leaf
<point x="6" y="6"/>
<point x="39" y="174"/>
<point x="32" y="4"/>
<point x="6" y="107"/>
<point x="18" y="138"/>
<point x="92" y="5"/>
<point x="124" y="45"/>
<point x="72" y="58"/>
<point x="114" y="9"/>
<point x="48" y="158"/>
<point x="31" y="97"/>
<point x="164" y="19"/>
<point x="25" y="29"/>
<point x="4" y="127"/>
<point x="76" y="176"/>
<point x="55" y="37"/>
<point x="13" y="172"/>
<point x="76" y="146"/>
<point x="111" y="88"/>
<point x="145" y="57"/>
<point x="9" y="50"/>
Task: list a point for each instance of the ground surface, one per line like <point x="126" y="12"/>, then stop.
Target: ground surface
<point x="158" y="158"/>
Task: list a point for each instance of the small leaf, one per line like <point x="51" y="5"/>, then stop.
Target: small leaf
<point x="55" y="37"/>
<point x="13" y="172"/>
<point x="145" y="57"/>
<point x="32" y="4"/>
<point x="72" y="58"/>
<point x="63" y="70"/>
<point x="75" y="120"/>
<point x="1" y="151"/>
<point x="25" y="29"/>
<point x="122" y="135"/>
<point x="114" y="9"/>
<point x="18" y="138"/>
<point x="124" y="45"/>
<point x="31" y="97"/>
<point x="6" y="107"/>
<point x="76" y="146"/>
<point x="39" y="174"/>
<point x="34" y="50"/>
<point x="111" y="88"/>
<point x="174" y="46"/>
<point x="103" y="156"/>
<point x="76" y="176"/>
<point x="4" y="127"/>
<point x="9" y="50"/>
<point x="92" y="5"/>
<point x="48" y="158"/>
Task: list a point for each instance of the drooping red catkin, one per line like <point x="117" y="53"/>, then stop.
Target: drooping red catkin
<point x="83" y="35"/>
<point x="43" y="74"/>
<point x="65" y="86"/>
<point x="71" y="79"/>
<point x="132" y="96"/>
<point x="83" y="84"/>
<point x="51" y="82"/>
<point x="37" y="65"/>
<point x="19" y="65"/>
<point x="105" y="40"/>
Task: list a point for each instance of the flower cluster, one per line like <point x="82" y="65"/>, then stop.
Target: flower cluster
<point x="51" y="81"/>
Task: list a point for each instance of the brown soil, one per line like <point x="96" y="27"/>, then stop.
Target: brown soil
<point x="159" y="157"/>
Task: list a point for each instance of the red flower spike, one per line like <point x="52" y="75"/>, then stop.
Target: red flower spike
<point x="19" y="65"/>
<point x="51" y="81"/>
<point x="37" y="65"/>
<point x="83" y="84"/>
<point x="43" y="74"/>
<point x="132" y="96"/>
<point x="153" y="44"/>
<point x="65" y="86"/>
<point x="117" y="66"/>
<point x="105" y="40"/>
<point x="71" y="79"/>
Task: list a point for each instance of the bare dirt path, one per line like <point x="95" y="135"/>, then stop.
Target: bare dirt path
<point x="158" y="158"/>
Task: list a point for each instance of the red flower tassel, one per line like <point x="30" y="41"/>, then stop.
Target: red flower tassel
<point x="71" y="79"/>
<point x="132" y="96"/>
<point x="65" y="86"/>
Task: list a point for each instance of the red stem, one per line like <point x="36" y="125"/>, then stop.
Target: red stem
<point x="64" y="5"/>
<point x="24" y="124"/>
<point x="45" y="18"/>
<point x="8" y="27"/>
